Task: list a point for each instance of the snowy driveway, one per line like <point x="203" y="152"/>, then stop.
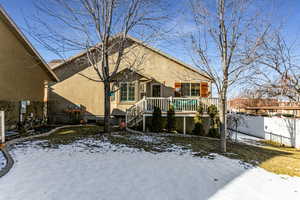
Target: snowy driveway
<point x="111" y="172"/>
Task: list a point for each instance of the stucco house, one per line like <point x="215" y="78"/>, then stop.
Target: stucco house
<point x="23" y="72"/>
<point x="157" y="80"/>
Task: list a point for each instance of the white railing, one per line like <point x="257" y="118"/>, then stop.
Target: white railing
<point x="179" y="104"/>
<point x="135" y="111"/>
<point x="2" y="127"/>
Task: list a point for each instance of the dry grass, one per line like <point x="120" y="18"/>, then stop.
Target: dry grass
<point x="276" y="159"/>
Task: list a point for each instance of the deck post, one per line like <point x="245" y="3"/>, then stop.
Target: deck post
<point x="144" y="104"/>
<point x="126" y="120"/>
<point x="2" y="127"/>
<point x="144" y="123"/>
<point x="184" y="125"/>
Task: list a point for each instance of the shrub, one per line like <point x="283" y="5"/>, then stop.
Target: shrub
<point x="198" y="128"/>
<point x="212" y="111"/>
<point x="200" y="109"/>
<point x="156" y="120"/>
<point x="288" y="115"/>
<point x="171" y="118"/>
<point x="214" y="132"/>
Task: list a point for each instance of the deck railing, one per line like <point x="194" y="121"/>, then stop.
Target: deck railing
<point x="136" y="111"/>
<point x="181" y="105"/>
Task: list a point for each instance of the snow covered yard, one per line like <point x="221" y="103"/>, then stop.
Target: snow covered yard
<point x="106" y="169"/>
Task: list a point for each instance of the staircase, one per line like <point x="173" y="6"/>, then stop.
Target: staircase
<point x="134" y="115"/>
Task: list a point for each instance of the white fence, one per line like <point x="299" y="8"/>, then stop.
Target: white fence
<point x="283" y="130"/>
<point x="2" y="127"/>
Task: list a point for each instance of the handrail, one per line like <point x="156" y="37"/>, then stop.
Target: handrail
<point x="135" y="111"/>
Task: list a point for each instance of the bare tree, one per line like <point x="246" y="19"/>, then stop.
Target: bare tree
<point x="278" y="70"/>
<point x="100" y="27"/>
<point x="228" y="34"/>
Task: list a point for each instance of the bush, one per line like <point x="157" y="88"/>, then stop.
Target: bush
<point x="200" y="109"/>
<point x="156" y="120"/>
<point x="212" y="111"/>
<point x="171" y="119"/>
<point x="288" y="115"/>
<point x="214" y="132"/>
<point x="198" y="128"/>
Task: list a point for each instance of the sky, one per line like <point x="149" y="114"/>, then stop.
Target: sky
<point x="285" y="12"/>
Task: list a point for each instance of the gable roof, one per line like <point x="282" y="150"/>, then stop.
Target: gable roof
<point x="146" y="46"/>
<point x="27" y="45"/>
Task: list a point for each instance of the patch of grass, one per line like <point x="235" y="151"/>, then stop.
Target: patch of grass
<point x="276" y="159"/>
<point x="279" y="160"/>
<point x="272" y="143"/>
<point x="70" y="135"/>
<point x="130" y="141"/>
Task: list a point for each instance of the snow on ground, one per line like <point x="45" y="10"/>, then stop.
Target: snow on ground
<point x="247" y="139"/>
<point x="2" y="160"/>
<point x="147" y="138"/>
<point x="100" y="170"/>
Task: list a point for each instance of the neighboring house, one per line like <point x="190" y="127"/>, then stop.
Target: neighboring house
<point x="264" y="106"/>
<point x="240" y="104"/>
<point x="23" y="72"/>
<point x="153" y="81"/>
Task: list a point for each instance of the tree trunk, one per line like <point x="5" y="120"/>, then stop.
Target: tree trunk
<point x="107" y="107"/>
<point x="223" y="124"/>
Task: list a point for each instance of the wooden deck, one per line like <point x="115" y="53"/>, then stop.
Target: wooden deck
<point x="183" y="107"/>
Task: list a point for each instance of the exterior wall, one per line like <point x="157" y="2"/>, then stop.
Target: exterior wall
<point x="21" y="76"/>
<point x="76" y="89"/>
<point x="163" y="70"/>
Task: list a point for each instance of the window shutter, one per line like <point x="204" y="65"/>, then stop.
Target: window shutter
<point x="204" y="89"/>
<point x="177" y="89"/>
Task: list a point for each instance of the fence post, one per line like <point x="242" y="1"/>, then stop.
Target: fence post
<point x="297" y="133"/>
<point x="2" y="126"/>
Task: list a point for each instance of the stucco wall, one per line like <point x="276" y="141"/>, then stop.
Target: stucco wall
<point x="21" y="76"/>
<point x="75" y="88"/>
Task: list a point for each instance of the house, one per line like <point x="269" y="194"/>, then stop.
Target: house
<point x="157" y="80"/>
<point x="240" y="104"/>
<point x="260" y="106"/>
<point x="23" y="73"/>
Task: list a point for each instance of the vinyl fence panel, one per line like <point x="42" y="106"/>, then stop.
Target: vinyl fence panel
<point x="282" y="130"/>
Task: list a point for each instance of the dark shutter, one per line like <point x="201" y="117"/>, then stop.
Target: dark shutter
<point x="177" y="89"/>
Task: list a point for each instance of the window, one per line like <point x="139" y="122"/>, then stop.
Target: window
<point x="190" y="89"/>
<point x="195" y="89"/>
<point x="127" y="91"/>
<point x="185" y="89"/>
